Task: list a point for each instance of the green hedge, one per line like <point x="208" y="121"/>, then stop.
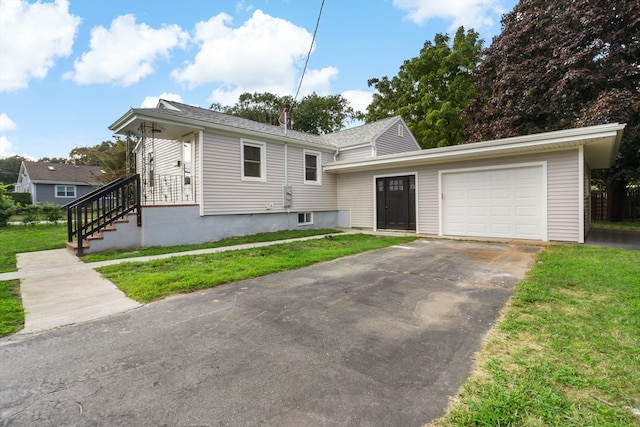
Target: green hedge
<point x="22" y="198"/>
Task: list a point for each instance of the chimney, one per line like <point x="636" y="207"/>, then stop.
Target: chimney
<point x="285" y="116"/>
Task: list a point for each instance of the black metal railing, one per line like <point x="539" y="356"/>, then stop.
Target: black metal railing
<point x="167" y="190"/>
<point x="101" y="208"/>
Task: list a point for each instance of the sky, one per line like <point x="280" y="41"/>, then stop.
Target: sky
<point x="70" y="68"/>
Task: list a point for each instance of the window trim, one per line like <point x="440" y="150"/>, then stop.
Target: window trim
<point x="318" y="156"/>
<point x="263" y="160"/>
<point x="66" y="196"/>
<point x="305" y="215"/>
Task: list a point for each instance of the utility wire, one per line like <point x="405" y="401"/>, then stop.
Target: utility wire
<point x="310" y="48"/>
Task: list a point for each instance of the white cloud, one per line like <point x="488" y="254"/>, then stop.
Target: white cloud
<point x="126" y="52"/>
<point x="152" y="101"/>
<point x="33" y="37"/>
<point x="6" y="148"/>
<point x="6" y="123"/>
<point x="474" y="14"/>
<point x="264" y="54"/>
<point x="358" y="99"/>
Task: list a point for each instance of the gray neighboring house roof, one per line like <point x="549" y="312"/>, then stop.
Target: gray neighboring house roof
<point x="58" y="173"/>
<point x="173" y="115"/>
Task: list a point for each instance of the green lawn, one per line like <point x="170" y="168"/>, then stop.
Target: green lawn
<point x="15" y="239"/>
<point x="11" y="312"/>
<point x="147" y="281"/>
<point x="622" y="225"/>
<point x="231" y="241"/>
<point x="567" y="350"/>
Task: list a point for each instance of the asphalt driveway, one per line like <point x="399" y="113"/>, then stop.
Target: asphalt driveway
<point x="377" y="339"/>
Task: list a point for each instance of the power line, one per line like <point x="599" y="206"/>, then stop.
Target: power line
<point x="310" y="48"/>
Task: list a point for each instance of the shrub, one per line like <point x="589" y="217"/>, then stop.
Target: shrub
<point x="30" y="213"/>
<point x="21" y="198"/>
<point x="7" y="206"/>
<point x="51" y="211"/>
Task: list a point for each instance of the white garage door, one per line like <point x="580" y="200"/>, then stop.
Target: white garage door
<point x="502" y="203"/>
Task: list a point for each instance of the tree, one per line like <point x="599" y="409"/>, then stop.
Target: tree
<point x="323" y="114"/>
<point x="313" y="113"/>
<point x="7" y="206"/>
<point x="431" y="89"/>
<point x="559" y="65"/>
<point x="62" y="160"/>
<point x="10" y="168"/>
<point x="111" y="156"/>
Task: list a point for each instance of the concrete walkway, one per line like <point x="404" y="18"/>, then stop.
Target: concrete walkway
<point x="58" y="289"/>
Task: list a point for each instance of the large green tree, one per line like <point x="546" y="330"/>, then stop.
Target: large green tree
<point x="313" y="113"/>
<point x="111" y="156"/>
<point x="10" y="168"/>
<point x="559" y="65"/>
<point x="431" y="89"/>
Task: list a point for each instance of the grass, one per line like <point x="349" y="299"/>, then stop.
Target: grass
<point x="17" y="239"/>
<point x="622" y="225"/>
<point x="231" y="241"/>
<point x="567" y="349"/>
<point x="11" y="312"/>
<point x="152" y="280"/>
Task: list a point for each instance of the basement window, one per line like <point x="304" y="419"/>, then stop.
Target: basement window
<point x="305" y="218"/>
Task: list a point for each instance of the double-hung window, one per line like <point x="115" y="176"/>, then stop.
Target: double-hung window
<point x="253" y="161"/>
<point x="312" y="167"/>
<point x="65" y="191"/>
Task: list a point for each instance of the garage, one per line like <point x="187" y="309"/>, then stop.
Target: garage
<point x="505" y="202"/>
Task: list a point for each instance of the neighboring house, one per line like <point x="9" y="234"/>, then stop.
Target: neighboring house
<point x="57" y="183"/>
<point x="206" y="176"/>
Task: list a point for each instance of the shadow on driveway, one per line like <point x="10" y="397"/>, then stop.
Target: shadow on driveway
<point x="625" y="239"/>
<point x="383" y="338"/>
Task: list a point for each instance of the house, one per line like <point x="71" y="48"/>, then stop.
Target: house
<point x="57" y="183"/>
<point x="205" y="176"/>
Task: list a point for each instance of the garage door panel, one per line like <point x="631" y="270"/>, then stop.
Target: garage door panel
<point x="502" y="203"/>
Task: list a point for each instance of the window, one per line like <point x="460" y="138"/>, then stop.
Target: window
<point x="253" y="161"/>
<point x="305" y="218"/>
<point x="312" y="170"/>
<point x="65" y="191"/>
<point x="400" y="130"/>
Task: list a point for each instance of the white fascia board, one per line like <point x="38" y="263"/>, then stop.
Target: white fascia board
<point x="550" y="140"/>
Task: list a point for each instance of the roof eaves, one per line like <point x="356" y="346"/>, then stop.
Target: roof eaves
<point x="557" y="140"/>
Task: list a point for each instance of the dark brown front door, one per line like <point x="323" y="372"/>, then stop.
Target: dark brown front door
<point x="395" y="203"/>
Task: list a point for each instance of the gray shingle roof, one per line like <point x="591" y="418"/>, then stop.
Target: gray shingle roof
<point x="57" y="172"/>
<point x="210" y="116"/>
<point x="358" y="135"/>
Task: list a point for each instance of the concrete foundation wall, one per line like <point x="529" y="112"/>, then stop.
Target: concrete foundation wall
<point x="177" y="225"/>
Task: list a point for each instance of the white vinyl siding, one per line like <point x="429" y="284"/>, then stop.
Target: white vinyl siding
<point x="311" y="197"/>
<point x="563" y="195"/>
<point x="356" y="195"/>
<point x="225" y="192"/>
<point x="166" y="184"/>
<point x="356" y="192"/>
<point x="355" y="153"/>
